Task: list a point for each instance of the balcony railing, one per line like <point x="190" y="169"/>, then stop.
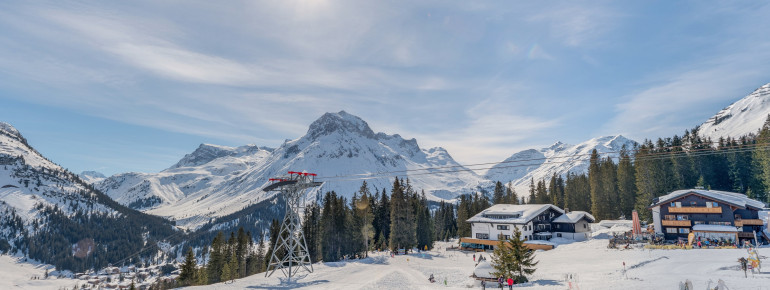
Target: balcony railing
<point x="670" y="223"/>
<point x="745" y="235"/>
<point x="695" y="209"/>
<point x="748" y="222"/>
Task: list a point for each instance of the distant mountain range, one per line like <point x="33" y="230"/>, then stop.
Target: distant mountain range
<point x="215" y="180"/>
<point x="537" y="164"/>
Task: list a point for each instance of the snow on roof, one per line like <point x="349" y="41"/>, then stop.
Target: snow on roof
<point x="714" y="228"/>
<point x="484" y="270"/>
<point x="733" y="198"/>
<point x="519" y="213"/>
<point x="611" y="223"/>
<point x="574" y="217"/>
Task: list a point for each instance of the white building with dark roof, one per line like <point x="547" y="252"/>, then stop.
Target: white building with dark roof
<point x="574" y="225"/>
<point x="536" y="222"/>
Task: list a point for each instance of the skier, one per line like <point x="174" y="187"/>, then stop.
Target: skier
<point x="510" y="283"/>
<point x="474" y="257"/>
<point x="431" y="279"/>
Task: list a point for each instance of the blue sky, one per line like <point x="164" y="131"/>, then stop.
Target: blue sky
<point x="119" y="86"/>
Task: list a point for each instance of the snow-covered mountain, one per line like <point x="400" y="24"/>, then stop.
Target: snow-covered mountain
<point x="559" y="158"/>
<point x="44" y="209"/>
<point x="214" y="181"/>
<point x="743" y="117"/>
<point x="92" y="177"/>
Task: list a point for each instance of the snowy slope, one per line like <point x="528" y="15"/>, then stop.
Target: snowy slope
<point x="44" y="208"/>
<point x="190" y="186"/>
<point x="746" y="116"/>
<point x="559" y="158"/>
<point x="27" y="179"/>
<point x="216" y="180"/>
<point x="589" y="264"/>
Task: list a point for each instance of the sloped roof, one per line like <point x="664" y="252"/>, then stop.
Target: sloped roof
<point x="526" y="213"/>
<point x="484" y="270"/>
<point x="733" y="198"/>
<point x="574" y="217"/>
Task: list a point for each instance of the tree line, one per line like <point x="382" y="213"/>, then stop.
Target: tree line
<point x="615" y="186"/>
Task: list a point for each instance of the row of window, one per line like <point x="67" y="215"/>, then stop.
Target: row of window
<point x="508" y="227"/>
<point x="677" y="230"/>
<point x="693" y="203"/>
<point x="679" y="217"/>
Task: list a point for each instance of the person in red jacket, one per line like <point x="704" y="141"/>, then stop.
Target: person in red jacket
<point x="510" y="283"/>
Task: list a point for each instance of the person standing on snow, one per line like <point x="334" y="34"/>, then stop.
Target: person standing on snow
<point x="510" y="283"/>
<point x="474" y="257"/>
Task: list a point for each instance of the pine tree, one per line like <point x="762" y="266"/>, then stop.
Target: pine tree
<point x="225" y="275"/>
<point x="187" y="273"/>
<point x="216" y="259"/>
<point x="594" y="179"/>
<point x="762" y="157"/>
<point x="402" y="227"/>
<point x="513" y="259"/>
<point x="531" y="199"/>
<point x="609" y="183"/>
<point x="497" y="197"/>
<point x="510" y="194"/>
<point x="626" y="183"/>
<point x="241" y="249"/>
<point x="202" y="276"/>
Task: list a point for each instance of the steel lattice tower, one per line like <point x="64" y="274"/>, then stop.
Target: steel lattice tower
<point x="290" y="238"/>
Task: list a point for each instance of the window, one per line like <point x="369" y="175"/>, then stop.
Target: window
<point x="720" y="223"/>
<point x="671" y="230"/>
<point x="503" y="237"/>
<point x="692" y="203"/>
<point x="682" y="218"/>
<point x="669" y="217"/>
<point x="684" y="230"/>
<point x="673" y="204"/>
<point x="482" y="236"/>
<point x="699" y="222"/>
<point x="503" y="227"/>
<point x="585" y="226"/>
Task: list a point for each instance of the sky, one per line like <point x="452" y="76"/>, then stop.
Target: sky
<point x="118" y="86"/>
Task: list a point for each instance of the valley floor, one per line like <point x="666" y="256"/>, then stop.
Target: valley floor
<point x="590" y="263"/>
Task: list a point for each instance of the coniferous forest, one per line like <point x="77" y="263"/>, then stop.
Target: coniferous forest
<point x="621" y="182"/>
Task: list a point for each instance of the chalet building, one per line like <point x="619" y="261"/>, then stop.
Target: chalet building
<point x="708" y="214"/>
<point x="574" y="225"/>
<point x="536" y="222"/>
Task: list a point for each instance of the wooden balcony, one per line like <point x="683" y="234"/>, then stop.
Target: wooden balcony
<point x="695" y="209"/>
<point x="745" y="235"/>
<point x="670" y="223"/>
<point x="748" y="222"/>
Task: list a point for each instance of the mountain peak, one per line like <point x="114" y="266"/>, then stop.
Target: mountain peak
<point x="92" y="173"/>
<point x="745" y="116"/>
<point x="9" y="130"/>
<point x="203" y="154"/>
<point x="339" y="122"/>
